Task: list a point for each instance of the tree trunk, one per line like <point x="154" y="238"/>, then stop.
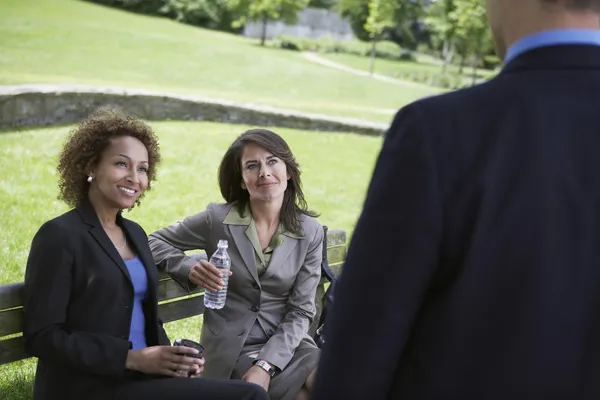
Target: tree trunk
<point x="475" y="63"/>
<point x="463" y="61"/>
<point x="373" y="52"/>
<point x="263" y="35"/>
<point x="447" y="54"/>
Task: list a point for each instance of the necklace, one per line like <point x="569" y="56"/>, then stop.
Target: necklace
<point x="122" y="247"/>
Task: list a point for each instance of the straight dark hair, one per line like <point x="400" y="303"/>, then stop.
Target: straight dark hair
<point x="230" y="177"/>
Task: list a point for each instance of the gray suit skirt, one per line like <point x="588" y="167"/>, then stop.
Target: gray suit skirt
<point x="286" y="384"/>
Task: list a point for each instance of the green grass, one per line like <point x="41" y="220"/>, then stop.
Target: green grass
<point x="16" y="380"/>
<point x="395" y="69"/>
<point x="336" y="169"/>
<point x="68" y="41"/>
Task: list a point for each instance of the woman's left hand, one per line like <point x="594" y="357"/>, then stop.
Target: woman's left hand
<point x="197" y="372"/>
<point x="258" y="376"/>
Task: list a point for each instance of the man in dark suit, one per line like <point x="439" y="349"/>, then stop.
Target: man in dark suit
<point x="474" y="270"/>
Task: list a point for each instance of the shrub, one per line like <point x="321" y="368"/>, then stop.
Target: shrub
<point x="326" y="44"/>
<point x="437" y="79"/>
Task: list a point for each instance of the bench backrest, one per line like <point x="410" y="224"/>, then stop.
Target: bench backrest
<point x="174" y="302"/>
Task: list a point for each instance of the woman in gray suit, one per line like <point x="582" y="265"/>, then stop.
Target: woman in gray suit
<point x="275" y="245"/>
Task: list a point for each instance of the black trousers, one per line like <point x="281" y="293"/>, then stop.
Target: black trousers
<point x="188" y="389"/>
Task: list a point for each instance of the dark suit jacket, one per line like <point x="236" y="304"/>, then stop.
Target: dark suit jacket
<point x="78" y="306"/>
<point x="474" y="270"/>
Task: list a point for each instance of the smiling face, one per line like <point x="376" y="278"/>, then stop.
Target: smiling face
<point x="264" y="175"/>
<point x="121" y="175"/>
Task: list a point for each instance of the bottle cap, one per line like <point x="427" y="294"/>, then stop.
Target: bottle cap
<point x="223" y="244"/>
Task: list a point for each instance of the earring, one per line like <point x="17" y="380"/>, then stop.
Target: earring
<point x="89" y="179"/>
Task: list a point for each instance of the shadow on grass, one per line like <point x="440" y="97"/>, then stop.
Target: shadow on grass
<point x="16" y="380"/>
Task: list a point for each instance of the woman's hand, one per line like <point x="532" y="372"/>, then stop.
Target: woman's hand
<point x="206" y="275"/>
<point x="165" y="360"/>
<point x="258" y="376"/>
<point x="197" y="373"/>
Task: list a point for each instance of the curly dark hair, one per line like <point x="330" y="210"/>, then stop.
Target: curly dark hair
<point x="87" y="142"/>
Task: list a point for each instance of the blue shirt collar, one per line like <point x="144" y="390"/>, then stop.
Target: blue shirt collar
<point x="551" y="38"/>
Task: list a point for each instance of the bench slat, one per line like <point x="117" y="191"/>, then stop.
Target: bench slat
<point x="336" y="237"/>
<point x="169" y="289"/>
<point x="337" y="269"/>
<point x="336" y="254"/>
<point x="11" y="295"/>
<point x="181" y="309"/>
<point x="11" y="322"/>
<point x="12" y="350"/>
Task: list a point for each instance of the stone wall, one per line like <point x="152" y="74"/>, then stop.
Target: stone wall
<point x="312" y="23"/>
<point x="42" y="105"/>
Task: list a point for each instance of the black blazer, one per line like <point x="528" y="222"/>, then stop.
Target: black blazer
<point x="78" y="306"/>
<point x="474" y="269"/>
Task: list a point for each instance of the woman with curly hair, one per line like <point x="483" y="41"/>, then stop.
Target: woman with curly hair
<point x="91" y="286"/>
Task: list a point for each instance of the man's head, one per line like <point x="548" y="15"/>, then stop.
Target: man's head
<point x="512" y="20"/>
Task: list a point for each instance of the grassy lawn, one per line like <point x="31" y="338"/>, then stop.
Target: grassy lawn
<point x="187" y="182"/>
<point x="396" y="69"/>
<point x="71" y="41"/>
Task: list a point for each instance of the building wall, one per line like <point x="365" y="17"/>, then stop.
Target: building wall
<point x="312" y="23"/>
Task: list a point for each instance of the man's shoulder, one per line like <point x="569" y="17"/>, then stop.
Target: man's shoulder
<point x="466" y="100"/>
<point x="455" y="111"/>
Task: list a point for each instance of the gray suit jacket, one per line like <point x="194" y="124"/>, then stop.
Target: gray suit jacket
<point x="283" y="299"/>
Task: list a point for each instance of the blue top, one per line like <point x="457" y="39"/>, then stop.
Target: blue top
<point x="137" y="332"/>
<point x="551" y="38"/>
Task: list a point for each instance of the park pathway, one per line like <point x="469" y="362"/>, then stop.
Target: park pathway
<point x="341" y="67"/>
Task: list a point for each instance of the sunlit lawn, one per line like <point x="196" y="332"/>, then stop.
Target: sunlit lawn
<point x="69" y="41"/>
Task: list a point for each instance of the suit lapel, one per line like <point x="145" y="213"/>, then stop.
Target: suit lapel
<point x="238" y="233"/>
<point x="87" y="213"/>
<point x="140" y="244"/>
<point x="104" y="242"/>
<point x="280" y="255"/>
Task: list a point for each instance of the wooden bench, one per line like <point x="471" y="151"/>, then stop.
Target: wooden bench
<point x="174" y="302"/>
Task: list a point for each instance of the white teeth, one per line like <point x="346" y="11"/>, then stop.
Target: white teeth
<point x="127" y="190"/>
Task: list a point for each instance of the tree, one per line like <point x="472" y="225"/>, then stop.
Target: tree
<point x="472" y="30"/>
<point x="212" y="14"/>
<point x="379" y="18"/>
<point x="356" y="11"/>
<point x="408" y="23"/>
<point x="140" y="6"/>
<point x="442" y="22"/>
<point x="265" y="10"/>
<point x="392" y="18"/>
<point x="327" y="4"/>
<point x="401" y="17"/>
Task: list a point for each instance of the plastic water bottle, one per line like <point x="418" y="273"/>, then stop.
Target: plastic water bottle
<point x="221" y="260"/>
